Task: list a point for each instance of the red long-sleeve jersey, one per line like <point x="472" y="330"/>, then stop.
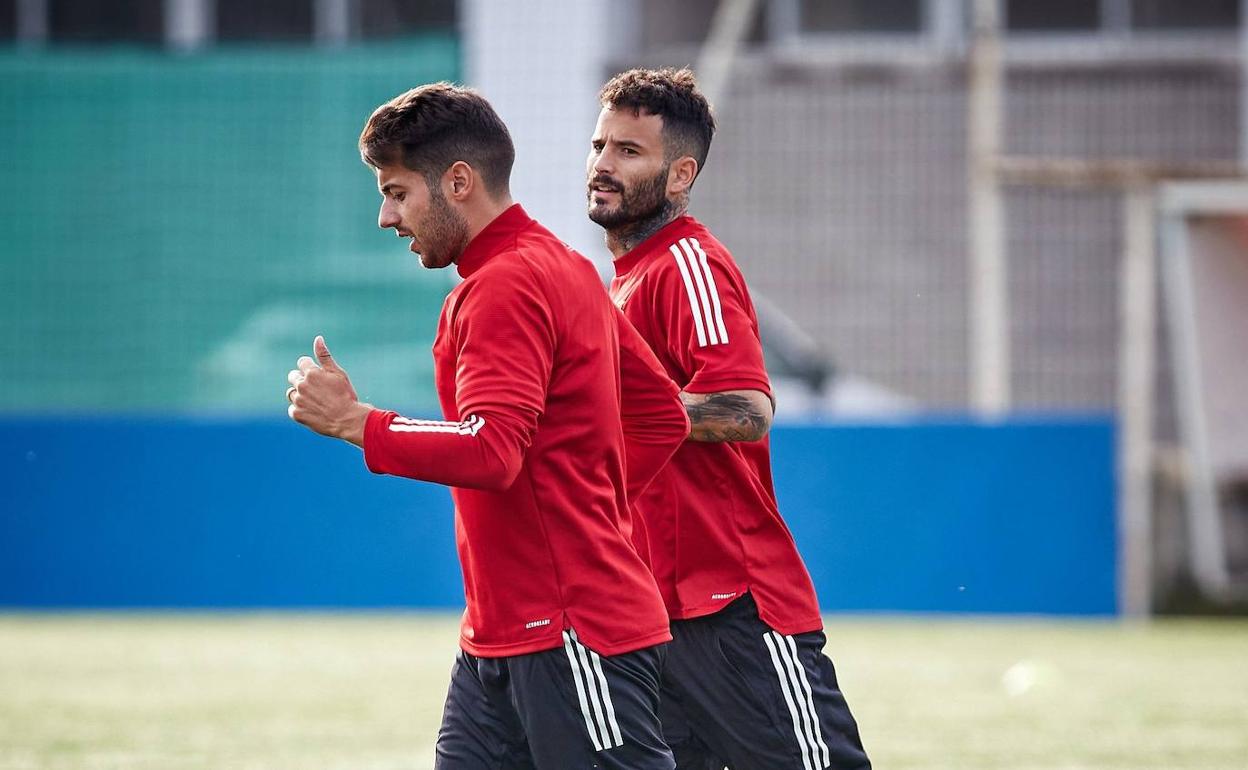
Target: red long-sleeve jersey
<point x="534" y="368"/>
<point x="712" y="527"/>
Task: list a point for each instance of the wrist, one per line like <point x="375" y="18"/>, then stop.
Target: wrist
<point x="352" y="429"/>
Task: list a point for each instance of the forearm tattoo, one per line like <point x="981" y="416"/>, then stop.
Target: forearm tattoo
<point x="725" y="417"/>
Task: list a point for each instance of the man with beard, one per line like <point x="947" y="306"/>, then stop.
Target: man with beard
<point x="555" y="412"/>
<point x="746" y="683"/>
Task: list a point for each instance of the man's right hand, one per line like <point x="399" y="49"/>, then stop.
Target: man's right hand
<point x="322" y="398"/>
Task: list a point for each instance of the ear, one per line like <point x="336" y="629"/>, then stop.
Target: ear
<point x="680" y="175"/>
<point x="459" y="181"/>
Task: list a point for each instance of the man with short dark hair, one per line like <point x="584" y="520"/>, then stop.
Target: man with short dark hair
<point x="746" y="683"/>
<point x="555" y="411"/>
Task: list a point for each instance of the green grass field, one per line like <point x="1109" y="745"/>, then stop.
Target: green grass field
<point x="314" y="692"/>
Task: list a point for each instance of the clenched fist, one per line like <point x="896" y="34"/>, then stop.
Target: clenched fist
<point x="322" y="398"/>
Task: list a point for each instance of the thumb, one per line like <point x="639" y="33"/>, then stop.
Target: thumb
<point x="323" y="357"/>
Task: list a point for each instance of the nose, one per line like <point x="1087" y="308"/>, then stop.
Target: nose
<point x="388" y="217"/>
<point x="598" y="164"/>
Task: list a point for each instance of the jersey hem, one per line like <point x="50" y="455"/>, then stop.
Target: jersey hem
<point x="542" y="645"/>
<point x="630" y="645"/>
<point x="689" y="613"/>
<point x="803" y="625"/>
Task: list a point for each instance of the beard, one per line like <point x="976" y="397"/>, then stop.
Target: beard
<point x="444" y="233"/>
<point x="642" y="202"/>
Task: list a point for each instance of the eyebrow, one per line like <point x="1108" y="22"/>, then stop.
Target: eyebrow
<point x="388" y="187"/>
<point x="633" y="143"/>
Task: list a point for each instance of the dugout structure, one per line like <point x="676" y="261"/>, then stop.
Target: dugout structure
<point x="1204" y="267"/>
<point x="1139" y="182"/>
<point x="990" y="173"/>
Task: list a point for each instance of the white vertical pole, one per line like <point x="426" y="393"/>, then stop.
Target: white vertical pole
<point x="189" y="24"/>
<point x="945" y="24"/>
<point x="332" y="21"/>
<point x="1243" y="82"/>
<point x="1116" y="17"/>
<point x="541" y="64"/>
<point x="783" y="20"/>
<point x="1136" y="354"/>
<point x="729" y="26"/>
<point x="32" y="22"/>
<point x="988" y="318"/>
<point x="624" y="20"/>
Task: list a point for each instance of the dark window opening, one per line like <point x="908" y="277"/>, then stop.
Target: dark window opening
<point x="8" y="19"/>
<point x="1184" y="14"/>
<point x="1052" y="15"/>
<point x="862" y="15"/>
<point x="271" y="20"/>
<point x="90" y="21"/>
<point x="396" y="18"/>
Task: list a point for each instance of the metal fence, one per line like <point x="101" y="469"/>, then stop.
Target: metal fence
<point x="842" y="189"/>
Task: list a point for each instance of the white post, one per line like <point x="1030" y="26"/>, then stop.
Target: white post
<point x="1116" y="17"/>
<point x="332" y="21"/>
<point x="946" y="24"/>
<point x="1206" y="546"/>
<point x="729" y="26"/>
<point x="32" y="22"/>
<point x="541" y="64"/>
<point x="1138" y="322"/>
<point x="1243" y="82"/>
<point x="989" y="322"/>
<point x="783" y="20"/>
<point x="189" y="24"/>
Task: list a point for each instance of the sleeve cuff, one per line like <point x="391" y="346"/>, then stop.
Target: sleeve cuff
<point x="720" y="384"/>
<point x="374" y="431"/>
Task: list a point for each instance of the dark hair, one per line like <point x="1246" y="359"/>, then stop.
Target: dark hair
<point x="431" y="127"/>
<point x="673" y="95"/>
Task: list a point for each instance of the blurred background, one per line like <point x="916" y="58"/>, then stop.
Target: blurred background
<point x="999" y="248"/>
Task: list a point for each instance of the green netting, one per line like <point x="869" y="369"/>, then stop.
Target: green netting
<point x="174" y="230"/>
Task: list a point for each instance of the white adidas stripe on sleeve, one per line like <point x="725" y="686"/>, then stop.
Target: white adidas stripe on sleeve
<point x="694" y="305"/>
<point x="699" y="280"/>
<point x="703" y="293"/>
<point x="468" y="427"/>
<point x="714" y="291"/>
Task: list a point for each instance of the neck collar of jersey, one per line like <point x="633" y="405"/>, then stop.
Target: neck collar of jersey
<point x="493" y="238"/>
<point x="628" y="260"/>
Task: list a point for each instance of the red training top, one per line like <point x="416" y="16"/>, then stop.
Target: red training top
<point x="713" y="528"/>
<point x="532" y="362"/>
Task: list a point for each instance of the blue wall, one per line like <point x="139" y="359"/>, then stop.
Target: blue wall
<point x="948" y="517"/>
<point x="959" y="517"/>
